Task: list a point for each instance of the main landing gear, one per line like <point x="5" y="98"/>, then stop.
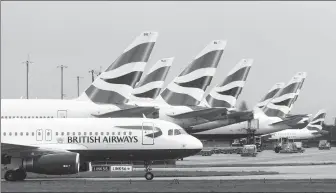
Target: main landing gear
<point x="149" y="175"/>
<point x="15" y="175"/>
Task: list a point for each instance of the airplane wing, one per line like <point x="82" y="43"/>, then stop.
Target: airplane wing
<point x="31" y="150"/>
<point x="149" y="112"/>
<point x="296" y="122"/>
<point x="206" y="113"/>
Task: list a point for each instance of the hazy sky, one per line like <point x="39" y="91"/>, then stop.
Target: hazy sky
<point x="282" y="38"/>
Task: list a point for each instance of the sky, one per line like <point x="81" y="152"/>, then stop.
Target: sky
<point x="282" y="37"/>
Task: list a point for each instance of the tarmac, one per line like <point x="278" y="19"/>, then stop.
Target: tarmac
<point x="309" y="171"/>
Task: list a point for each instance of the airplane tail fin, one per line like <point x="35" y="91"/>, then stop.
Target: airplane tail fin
<point x="280" y="105"/>
<point x="189" y="87"/>
<point x="151" y="85"/>
<point x="226" y="93"/>
<point x="270" y="95"/>
<point x="317" y="121"/>
<point x="115" y="84"/>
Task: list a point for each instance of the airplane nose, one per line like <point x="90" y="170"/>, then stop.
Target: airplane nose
<point x="195" y="143"/>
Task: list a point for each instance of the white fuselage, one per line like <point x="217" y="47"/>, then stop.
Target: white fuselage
<point x="85" y="135"/>
<point x="296" y="134"/>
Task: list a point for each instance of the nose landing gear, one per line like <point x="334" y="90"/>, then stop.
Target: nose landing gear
<point x="149" y="175"/>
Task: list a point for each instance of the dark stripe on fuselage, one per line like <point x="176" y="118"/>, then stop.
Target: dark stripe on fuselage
<point x="201" y="83"/>
<point x="139" y="53"/>
<point x="208" y="60"/>
<point x="239" y="75"/>
<point x="173" y="98"/>
<point x="104" y="97"/>
<point x="270" y="95"/>
<point x="217" y="103"/>
<point x="130" y="79"/>
<point x="157" y="75"/>
<point x="153" y="93"/>
<point x="135" y="155"/>
<point x="232" y="92"/>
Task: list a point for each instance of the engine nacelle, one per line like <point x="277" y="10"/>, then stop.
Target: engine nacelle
<point x="53" y="164"/>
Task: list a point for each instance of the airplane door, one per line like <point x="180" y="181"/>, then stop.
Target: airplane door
<point x="61" y="114"/>
<point x="48" y="135"/>
<point x="253" y="124"/>
<point x="147" y="133"/>
<point x="39" y="135"/>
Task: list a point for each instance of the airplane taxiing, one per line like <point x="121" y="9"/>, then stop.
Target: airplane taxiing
<point x="65" y="146"/>
<point x="313" y="130"/>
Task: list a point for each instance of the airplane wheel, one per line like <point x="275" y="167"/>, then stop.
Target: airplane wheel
<point x="10" y="175"/>
<point x="149" y="176"/>
<point x="20" y="174"/>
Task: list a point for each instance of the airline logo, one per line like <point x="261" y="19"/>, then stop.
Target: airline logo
<point x="100" y="139"/>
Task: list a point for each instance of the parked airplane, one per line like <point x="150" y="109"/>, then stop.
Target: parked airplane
<point x="313" y="130"/>
<point x="269" y="119"/>
<point x="65" y="146"/>
<point x="108" y="93"/>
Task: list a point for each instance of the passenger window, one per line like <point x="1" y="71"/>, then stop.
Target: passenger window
<point x="170" y="132"/>
<point x="10" y="133"/>
<point x="118" y="133"/>
<point x="32" y="133"/>
<point x="96" y="133"/>
<point x="27" y="133"/>
<point x="79" y="133"/>
<point x="15" y="133"/>
<point x="40" y="117"/>
<point x="9" y="117"/>
<point x="101" y="133"/>
<point x="21" y="133"/>
<point x="68" y="133"/>
<point x="74" y="133"/>
<point x="56" y="133"/>
<point x="28" y="117"/>
<point x="24" y="116"/>
<point x="90" y="133"/>
<point x="125" y="133"/>
<point x="62" y="133"/>
<point x="130" y="133"/>
<point x="47" y="117"/>
<point x="84" y="133"/>
<point x="39" y="133"/>
<point x="4" y="133"/>
<point x="48" y="133"/>
<point x="113" y="133"/>
<point x="107" y="133"/>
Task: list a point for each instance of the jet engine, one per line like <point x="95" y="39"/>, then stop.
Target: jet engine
<point x="53" y="164"/>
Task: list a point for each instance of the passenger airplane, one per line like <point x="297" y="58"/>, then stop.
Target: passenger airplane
<point x="65" y="146"/>
<point x="269" y="119"/>
<point x="108" y="93"/>
<point x="313" y="130"/>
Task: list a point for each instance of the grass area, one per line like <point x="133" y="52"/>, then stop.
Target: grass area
<point x="173" y="186"/>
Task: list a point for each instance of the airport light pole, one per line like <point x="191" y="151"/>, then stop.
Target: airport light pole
<point x="27" y="64"/>
<point x="92" y="74"/>
<point x="78" y="77"/>
<point x="62" y="66"/>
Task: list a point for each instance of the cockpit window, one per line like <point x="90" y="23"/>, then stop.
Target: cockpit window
<point x="177" y="132"/>
<point x="170" y="132"/>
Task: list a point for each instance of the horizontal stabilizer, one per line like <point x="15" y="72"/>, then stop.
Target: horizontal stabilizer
<point x="149" y="112"/>
<point x="206" y="113"/>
